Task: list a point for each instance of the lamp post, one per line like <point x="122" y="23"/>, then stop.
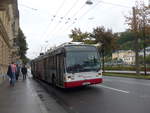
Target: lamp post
<point x="89" y="2"/>
<point x="144" y="45"/>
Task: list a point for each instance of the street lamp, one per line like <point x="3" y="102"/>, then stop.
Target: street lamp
<point x="89" y="2"/>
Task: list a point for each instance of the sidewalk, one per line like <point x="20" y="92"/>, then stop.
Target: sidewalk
<point x="23" y="98"/>
<point x="2" y="78"/>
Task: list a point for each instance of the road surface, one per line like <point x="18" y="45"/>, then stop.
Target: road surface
<point x="115" y="95"/>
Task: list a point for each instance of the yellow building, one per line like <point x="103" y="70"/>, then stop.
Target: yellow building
<point x="127" y="56"/>
<point x="9" y="25"/>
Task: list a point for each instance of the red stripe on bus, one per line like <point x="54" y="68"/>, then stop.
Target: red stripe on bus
<point x="81" y="83"/>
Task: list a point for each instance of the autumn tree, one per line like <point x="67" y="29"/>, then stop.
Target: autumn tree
<point x="78" y="36"/>
<point x="139" y="23"/>
<point x="106" y="39"/>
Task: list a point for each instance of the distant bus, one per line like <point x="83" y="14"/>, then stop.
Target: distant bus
<point x="69" y="65"/>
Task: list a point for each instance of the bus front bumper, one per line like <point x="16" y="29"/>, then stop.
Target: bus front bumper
<point x="82" y="83"/>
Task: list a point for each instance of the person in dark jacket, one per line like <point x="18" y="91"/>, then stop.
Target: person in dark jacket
<point x="24" y="72"/>
<point x="11" y="73"/>
<point x="18" y="71"/>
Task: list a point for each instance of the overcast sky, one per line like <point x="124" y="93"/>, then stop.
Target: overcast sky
<point x="47" y="23"/>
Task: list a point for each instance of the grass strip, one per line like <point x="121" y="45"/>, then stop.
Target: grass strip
<point x="127" y="75"/>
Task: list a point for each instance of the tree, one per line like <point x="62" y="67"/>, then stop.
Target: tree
<point x="21" y="42"/>
<point x="78" y="36"/>
<point x="125" y="40"/>
<point x="139" y="23"/>
<point x="106" y="39"/>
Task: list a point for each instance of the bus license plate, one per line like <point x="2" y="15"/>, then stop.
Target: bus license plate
<point x="86" y="83"/>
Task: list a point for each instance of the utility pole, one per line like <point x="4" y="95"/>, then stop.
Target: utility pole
<point x="136" y="44"/>
<point x="144" y="45"/>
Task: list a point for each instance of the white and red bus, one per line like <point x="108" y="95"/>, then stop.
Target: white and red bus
<point x="69" y="65"/>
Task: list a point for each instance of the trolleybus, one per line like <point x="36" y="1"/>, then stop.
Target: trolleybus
<point x="69" y="65"/>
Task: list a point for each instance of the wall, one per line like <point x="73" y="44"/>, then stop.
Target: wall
<point x="9" y="25"/>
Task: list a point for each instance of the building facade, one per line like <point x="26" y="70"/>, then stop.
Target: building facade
<point x="127" y="56"/>
<point x="147" y="51"/>
<point x="9" y="26"/>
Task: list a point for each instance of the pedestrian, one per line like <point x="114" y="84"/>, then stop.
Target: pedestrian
<point x="24" y="72"/>
<point x="17" y="72"/>
<point x="11" y="73"/>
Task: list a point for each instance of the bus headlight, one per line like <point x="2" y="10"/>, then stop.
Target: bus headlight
<point x="99" y="74"/>
<point x="68" y="78"/>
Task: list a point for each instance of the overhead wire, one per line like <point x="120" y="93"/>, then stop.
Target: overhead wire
<point x="87" y="11"/>
<point x="119" y="5"/>
<point x="77" y="12"/>
<point x="53" y="18"/>
<point x="75" y="19"/>
<point x="63" y="17"/>
<point x="114" y="4"/>
<point x="45" y="34"/>
<point x="28" y="7"/>
<point x="74" y="5"/>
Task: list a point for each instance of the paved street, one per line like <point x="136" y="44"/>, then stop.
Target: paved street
<point x="115" y="95"/>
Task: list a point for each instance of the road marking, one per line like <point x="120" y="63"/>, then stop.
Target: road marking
<point x="114" y="89"/>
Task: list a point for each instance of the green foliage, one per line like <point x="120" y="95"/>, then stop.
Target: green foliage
<point x="125" y="40"/>
<point x="99" y="35"/>
<point x="21" y="42"/>
<point x="127" y="46"/>
<point x="106" y="38"/>
<point x="125" y="37"/>
<point x="127" y="68"/>
<point x="78" y="36"/>
<point x="148" y="59"/>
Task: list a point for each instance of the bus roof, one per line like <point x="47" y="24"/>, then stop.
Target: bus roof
<point x="62" y="47"/>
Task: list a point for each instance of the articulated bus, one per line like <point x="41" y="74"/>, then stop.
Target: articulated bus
<point x="69" y="65"/>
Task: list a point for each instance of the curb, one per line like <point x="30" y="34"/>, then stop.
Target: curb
<point x="39" y="102"/>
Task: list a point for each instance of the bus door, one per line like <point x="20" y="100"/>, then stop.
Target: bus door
<point x="60" y="69"/>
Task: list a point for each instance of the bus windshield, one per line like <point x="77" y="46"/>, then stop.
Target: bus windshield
<point x="82" y="61"/>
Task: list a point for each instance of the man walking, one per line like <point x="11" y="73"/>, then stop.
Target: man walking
<point x="17" y="72"/>
<point x="24" y="72"/>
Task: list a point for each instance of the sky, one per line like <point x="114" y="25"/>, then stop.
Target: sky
<point x="48" y="23"/>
